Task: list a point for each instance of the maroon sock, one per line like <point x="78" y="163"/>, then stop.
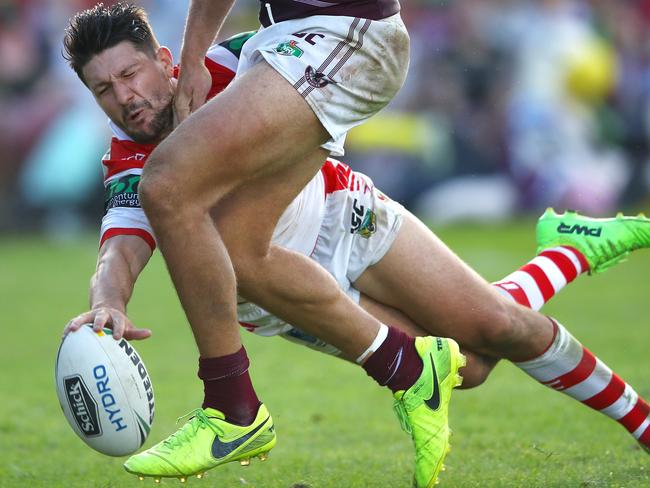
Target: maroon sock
<point x="395" y="364"/>
<point x="227" y="387"/>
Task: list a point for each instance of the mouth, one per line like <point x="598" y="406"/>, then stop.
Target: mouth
<point x="135" y="115"/>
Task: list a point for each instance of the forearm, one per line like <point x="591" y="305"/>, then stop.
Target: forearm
<point x="204" y="20"/>
<point x="112" y="285"/>
<point x="120" y="261"/>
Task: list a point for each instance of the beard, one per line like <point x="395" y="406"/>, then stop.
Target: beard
<point x="161" y="123"/>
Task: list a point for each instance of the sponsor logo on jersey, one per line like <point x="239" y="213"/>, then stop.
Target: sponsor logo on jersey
<point x="316" y="78"/>
<point x="289" y="48"/>
<point x="122" y="192"/>
<point x="363" y="221"/>
<point x="579" y="229"/>
<point x="82" y="405"/>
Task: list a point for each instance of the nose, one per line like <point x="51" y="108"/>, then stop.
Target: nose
<point x="123" y="93"/>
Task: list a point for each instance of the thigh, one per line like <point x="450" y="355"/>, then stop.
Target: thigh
<point x="246" y="218"/>
<point x="346" y="68"/>
<point x="424" y="279"/>
<point x="258" y="126"/>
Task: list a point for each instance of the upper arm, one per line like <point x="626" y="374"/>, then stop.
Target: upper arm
<point x="127" y="240"/>
<point x="126" y="234"/>
<point x="123" y="214"/>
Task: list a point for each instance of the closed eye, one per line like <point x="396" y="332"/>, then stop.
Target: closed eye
<point x="104" y="89"/>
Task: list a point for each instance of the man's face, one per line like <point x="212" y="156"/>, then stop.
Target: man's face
<point x="134" y="89"/>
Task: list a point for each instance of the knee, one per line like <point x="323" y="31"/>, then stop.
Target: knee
<point x="169" y="195"/>
<point x="498" y="328"/>
<point x="254" y="282"/>
<point x="250" y="265"/>
<point x="477" y="370"/>
<point x="157" y="191"/>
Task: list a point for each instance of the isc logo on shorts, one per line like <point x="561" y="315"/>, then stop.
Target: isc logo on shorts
<point x="363" y="221"/>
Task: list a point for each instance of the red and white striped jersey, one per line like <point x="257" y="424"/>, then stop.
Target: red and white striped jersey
<point x="298" y="226"/>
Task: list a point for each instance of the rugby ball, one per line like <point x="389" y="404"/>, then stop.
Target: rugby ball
<point x="104" y="391"/>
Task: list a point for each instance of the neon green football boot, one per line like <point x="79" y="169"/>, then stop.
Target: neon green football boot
<point x="603" y="242"/>
<point x="206" y="441"/>
<point x="423" y="409"/>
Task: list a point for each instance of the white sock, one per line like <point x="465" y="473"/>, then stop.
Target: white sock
<point x="382" y="333"/>
<point x="569" y="367"/>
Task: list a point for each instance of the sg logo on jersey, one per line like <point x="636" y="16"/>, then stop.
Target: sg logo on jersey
<point x="363" y="222"/>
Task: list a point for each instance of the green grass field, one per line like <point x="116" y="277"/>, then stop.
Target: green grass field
<point x="335" y="427"/>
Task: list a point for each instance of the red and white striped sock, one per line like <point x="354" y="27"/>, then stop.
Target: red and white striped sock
<point x="569" y="367"/>
<point x="538" y="281"/>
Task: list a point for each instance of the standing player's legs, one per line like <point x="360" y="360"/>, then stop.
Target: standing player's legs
<point x="241" y="136"/>
<point x="237" y="143"/>
<point x="255" y="129"/>
<point x="449" y="299"/>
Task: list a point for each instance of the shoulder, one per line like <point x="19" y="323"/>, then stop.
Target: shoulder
<point x="222" y="60"/>
<point x="235" y="43"/>
<point x="124" y="156"/>
<point x="226" y="54"/>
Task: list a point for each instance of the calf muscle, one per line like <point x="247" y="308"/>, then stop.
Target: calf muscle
<point x="451" y="298"/>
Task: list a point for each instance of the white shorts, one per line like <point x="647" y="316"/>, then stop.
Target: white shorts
<point x="359" y="227"/>
<point x="346" y="68"/>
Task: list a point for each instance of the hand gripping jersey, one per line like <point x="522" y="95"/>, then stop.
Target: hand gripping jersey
<point x="339" y="219"/>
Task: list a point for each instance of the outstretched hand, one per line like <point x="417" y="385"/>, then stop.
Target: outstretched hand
<point x="194" y="82"/>
<point x="111" y="318"/>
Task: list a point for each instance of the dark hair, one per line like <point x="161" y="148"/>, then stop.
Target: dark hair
<point x="93" y="30"/>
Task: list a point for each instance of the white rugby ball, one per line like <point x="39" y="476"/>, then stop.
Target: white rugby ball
<point x="105" y="391"/>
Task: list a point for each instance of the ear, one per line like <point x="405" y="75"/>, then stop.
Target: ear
<point x="165" y="58"/>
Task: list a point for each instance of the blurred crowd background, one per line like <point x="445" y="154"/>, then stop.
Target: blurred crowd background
<point x="510" y="106"/>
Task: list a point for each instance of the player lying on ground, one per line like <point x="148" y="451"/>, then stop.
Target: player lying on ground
<point x="365" y="240"/>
